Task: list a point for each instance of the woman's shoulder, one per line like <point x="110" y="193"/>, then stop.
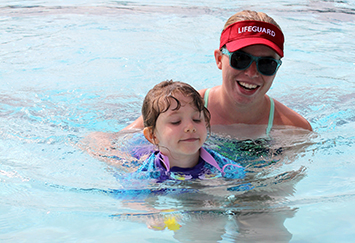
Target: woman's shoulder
<point x="203" y="91"/>
<point x="288" y="117"/>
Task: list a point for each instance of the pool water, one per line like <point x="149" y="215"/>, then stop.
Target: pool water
<point x="69" y="69"/>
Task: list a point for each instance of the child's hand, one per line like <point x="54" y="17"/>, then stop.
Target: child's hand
<point x="168" y="221"/>
<point x="156" y="224"/>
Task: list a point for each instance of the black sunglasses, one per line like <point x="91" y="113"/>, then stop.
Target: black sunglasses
<point x="240" y="60"/>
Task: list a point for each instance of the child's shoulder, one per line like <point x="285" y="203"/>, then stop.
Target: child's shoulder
<point x="148" y="163"/>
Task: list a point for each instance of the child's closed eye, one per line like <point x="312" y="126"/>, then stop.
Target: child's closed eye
<point x="175" y="122"/>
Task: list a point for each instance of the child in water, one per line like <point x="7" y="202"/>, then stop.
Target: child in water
<point x="176" y="122"/>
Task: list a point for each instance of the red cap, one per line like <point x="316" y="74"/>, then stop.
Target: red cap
<point x="246" y="33"/>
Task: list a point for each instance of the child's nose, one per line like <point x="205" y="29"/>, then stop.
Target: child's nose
<point x="190" y="127"/>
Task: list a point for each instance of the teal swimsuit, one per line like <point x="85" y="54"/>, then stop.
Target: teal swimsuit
<point x="271" y="114"/>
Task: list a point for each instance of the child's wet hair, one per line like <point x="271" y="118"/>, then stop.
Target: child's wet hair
<point x="158" y="100"/>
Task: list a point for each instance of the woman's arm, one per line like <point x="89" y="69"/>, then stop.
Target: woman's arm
<point x="137" y="124"/>
<point x="106" y="147"/>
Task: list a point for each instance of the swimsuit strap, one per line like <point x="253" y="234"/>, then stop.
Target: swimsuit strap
<point x="165" y="160"/>
<point x="207" y="157"/>
<point x="207" y="92"/>
<point x="271" y="117"/>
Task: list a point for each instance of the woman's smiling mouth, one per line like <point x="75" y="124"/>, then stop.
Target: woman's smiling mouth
<point x="247" y="85"/>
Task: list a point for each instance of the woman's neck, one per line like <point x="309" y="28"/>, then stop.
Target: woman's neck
<point x="226" y="111"/>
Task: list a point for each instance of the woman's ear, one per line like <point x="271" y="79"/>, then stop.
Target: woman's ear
<point x="149" y="135"/>
<point x="218" y="58"/>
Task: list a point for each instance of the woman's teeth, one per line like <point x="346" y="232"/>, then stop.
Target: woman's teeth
<point x="247" y="86"/>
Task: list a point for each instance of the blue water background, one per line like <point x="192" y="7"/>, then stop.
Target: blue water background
<point x="68" y="69"/>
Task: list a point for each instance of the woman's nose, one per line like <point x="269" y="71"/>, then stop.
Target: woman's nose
<point x="252" y="70"/>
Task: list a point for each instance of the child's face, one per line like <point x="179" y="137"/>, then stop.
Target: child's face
<point x="182" y="131"/>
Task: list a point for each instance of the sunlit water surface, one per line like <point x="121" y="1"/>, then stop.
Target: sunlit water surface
<point x="69" y="69"/>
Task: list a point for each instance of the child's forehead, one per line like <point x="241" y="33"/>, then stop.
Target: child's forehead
<point x="179" y="95"/>
<point x="180" y="98"/>
<point x="175" y="102"/>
